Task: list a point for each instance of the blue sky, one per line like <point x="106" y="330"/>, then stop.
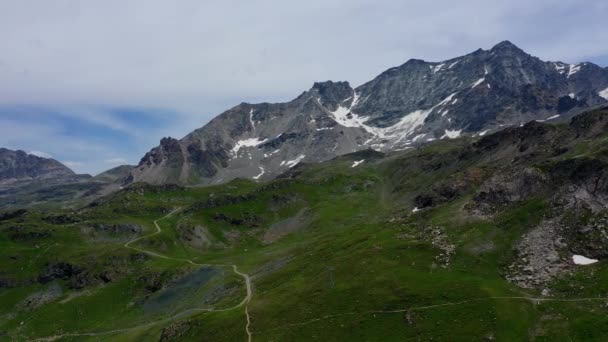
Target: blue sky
<point x="88" y="139"/>
<point x="98" y="83"/>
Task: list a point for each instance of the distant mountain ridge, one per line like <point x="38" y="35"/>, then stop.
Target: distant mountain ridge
<point x="27" y="179"/>
<point x="401" y="108"/>
<point x="19" y="165"/>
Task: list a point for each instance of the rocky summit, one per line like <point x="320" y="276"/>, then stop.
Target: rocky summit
<point x="403" y="107"/>
<point x="19" y="165"/>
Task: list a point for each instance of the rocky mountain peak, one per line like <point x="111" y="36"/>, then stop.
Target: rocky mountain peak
<point x="507" y="47"/>
<point x="331" y="94"/>
<point x="403" y="107"/>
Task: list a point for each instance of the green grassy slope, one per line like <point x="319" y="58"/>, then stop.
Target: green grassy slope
<point x="335" y="253"/>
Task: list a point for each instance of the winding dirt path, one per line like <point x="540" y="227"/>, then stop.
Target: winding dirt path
<point x="531" y="299"/>
<point x="244" y="302"/>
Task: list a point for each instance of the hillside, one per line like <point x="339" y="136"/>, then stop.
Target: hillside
<point x="475" y="238"/>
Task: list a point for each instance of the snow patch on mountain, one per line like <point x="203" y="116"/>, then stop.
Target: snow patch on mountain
<point x="252" y="142"/>
<point x="451" y="134"/>
<point x="582" y="260"/>
<point x="251" y="118"/>
<point x="437" y="68"/>
<point x="356" y="163"/>
<point x="560" y="67"/>
<point x="604" y="93"/>
<point x="478" y="82"/>
<point x="260" y="174"/>
<point x="402" y="129"/>
<point x="294" y="162"/>
<point x="573" y="69"/>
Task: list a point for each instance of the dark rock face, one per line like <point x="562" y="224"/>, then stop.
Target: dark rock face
<point x="405" y="106"/>
<point x="60" y="270"/>
<point x="16" y="165"/>
<point x="119" y="228"/>
<point x="12" y="214"/>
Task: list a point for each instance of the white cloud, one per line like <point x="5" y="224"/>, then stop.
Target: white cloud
<point x="40" y="154"/>
<point x="116" y="161"/>
<point x="191" y="54"/>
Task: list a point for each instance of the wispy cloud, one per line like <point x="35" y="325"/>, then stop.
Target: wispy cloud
<point x="116" y="161"/>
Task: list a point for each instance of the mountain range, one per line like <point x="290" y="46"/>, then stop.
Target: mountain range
<point x="403" y="107"/>
<point x="27" y="179"/>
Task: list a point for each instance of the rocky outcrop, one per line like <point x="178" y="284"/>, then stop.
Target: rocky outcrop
<point x="541" y="255"/>
<point x="60" y="270"/>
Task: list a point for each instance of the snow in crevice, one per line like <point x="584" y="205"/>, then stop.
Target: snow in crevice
<point x="415" y="210"/>
<point x="482" y="133"/>
<point x="251" y="119"/>
<point x="260" y="174"/>
<point x="572" y="95"/>
<point x="323" y="128"/>
<point x="561" y="68"/>
<point x="582" y="260"/>
<point x="478" y="82"/>
<point x="437" y="68"/>
<point x="266" y="155"/>
<point x="357" y="162"/>
<point x="573" y="69"/>
<point x="418" y="137"/>
<point x="604" y="93"/>
<point x="451" y="134"/>
<point x="453" y="64"/>
<point x="481" y="80"/>
<point x="294" y="162"/>
<point x="549" y="118"/>
<point x="251" y="142"/>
